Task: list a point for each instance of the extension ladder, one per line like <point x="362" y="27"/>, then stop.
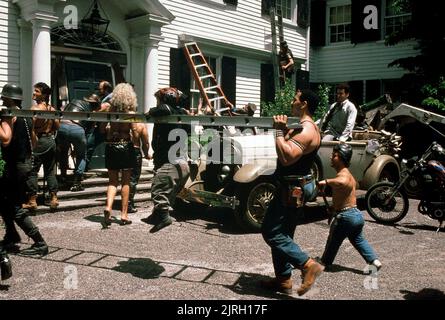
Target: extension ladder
<point x="205" y="79"/>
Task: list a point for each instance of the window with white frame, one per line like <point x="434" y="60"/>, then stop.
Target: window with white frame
<point x="194" y="90"/>
<point x="286" y="8"/>
<point x="395" y="18"/>
<point x="339" y="25"/>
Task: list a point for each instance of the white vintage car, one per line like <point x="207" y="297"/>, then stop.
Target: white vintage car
<point x="247" y="186"/>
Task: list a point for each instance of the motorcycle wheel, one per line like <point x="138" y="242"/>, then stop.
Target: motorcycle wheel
<point x="381" y="208"/>
<point x="254" y="201"/>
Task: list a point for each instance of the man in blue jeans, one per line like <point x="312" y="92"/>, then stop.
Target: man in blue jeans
<point x="348" y="221"/>
<point x="296" y="152"/>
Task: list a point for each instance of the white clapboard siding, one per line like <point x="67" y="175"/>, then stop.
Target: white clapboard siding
<point x="9" y="44"/>
<point x="364" y="61"/>
<point x="242" y="26"/>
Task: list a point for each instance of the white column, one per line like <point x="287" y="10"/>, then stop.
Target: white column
<point x="151" y="74"/>
<point x="41" y="51"/>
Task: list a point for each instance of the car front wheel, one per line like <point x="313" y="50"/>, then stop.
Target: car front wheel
<point x="254" y="198"/>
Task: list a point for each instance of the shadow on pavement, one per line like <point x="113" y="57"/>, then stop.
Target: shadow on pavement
<point x="4" y="287"/>
<point x="338" y="268"/>
<point x="424" y="294"/>
<point x="140" y="267"/>
<point x="249" y="284"/>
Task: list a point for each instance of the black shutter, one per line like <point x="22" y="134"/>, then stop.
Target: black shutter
<point x="302" y="81"/>
<point x="232" y="2"/>
<point x="267" y="83"/>
<point x="356" y="92"/>
<point x="179" y="71"/>
<point x="318" y="23"/>
<point x="265" y="6"/>
<point x="358" y="31"/>
<point x="228" y="78"/>
<point x="303" y="13"/>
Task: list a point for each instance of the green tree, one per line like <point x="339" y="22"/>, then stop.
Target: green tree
<point x="424" y="79"/>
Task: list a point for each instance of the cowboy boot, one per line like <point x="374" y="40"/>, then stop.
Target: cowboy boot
<point x="311" y="270"/>
<point x="278" y="284"/>
<point x="31" y="204"/>
<point x="54" y="203"/>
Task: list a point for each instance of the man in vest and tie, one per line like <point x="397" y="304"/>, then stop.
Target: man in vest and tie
<point x="339" y="121"/>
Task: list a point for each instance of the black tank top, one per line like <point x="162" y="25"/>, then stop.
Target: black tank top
<point x="20" y="147"/>
<point x="302" y="167"/>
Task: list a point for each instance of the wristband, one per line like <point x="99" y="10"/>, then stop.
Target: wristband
<point x="279" y="133"/>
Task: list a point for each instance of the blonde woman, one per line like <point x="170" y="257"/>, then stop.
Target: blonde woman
<point x="119" y="151"/>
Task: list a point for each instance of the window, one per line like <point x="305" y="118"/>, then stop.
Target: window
<point x="286" y="8"/>
<point x="194" y="90"/>
<point x="395" y="19"/>
<point x="339" y="26"/>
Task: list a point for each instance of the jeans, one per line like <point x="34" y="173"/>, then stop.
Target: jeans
<point x="348" y="224"/>
<point x="278" y="231"/>
<point x="94" y="138"/>
<point x="168" y="180"/>
<point x="12" y="195"/>
<point x="48" y="160"/>
<point x="75" y="135"/>
<point x="135" y="175"/>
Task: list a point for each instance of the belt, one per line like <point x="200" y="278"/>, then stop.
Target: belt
<point x="346" y="209"/>
<point x="45" y="134"/>
<point x="302" y="180"/>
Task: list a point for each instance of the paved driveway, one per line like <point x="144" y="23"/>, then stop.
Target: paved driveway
<point x="203" y="255"/>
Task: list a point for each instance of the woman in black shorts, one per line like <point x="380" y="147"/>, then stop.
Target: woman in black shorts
<point x="119" y="151"/>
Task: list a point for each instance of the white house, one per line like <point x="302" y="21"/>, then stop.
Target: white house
<point x="347" y="45"/>
<point x="41" y="40"/>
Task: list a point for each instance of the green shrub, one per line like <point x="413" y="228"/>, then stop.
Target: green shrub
<point x="282" y="102"/>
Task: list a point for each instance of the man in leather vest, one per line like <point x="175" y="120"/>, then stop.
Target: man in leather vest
<point x="16" y="139"/>
<point x="171" y="169"/>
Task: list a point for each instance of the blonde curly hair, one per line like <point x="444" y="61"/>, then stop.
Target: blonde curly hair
<point x="124" y="98"/>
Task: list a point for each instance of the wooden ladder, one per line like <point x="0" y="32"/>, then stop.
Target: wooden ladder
<point x="205" y="79"/>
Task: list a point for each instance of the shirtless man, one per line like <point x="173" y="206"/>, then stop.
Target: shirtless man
<point x="348" y="221"/>
<point x="141" y="145"/>
<point x="45" y="149"/>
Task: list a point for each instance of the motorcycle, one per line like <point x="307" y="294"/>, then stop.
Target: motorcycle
<point x="387" y="202"/>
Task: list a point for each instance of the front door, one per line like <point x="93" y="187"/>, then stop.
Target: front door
<point x="83" y="80"/>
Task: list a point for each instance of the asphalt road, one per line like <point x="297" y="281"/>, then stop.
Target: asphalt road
<point x="203" y="255"/>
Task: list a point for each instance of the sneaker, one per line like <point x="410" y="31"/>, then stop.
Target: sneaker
<point x="77" y="187"/>
<point x="132" y="209"/>
<point x="376" y="263"/>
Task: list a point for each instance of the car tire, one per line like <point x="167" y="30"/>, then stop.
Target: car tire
<point x="254" y="199"/>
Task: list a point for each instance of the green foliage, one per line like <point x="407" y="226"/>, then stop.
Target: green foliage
<point x="435" y="95"/>
<point x="323" y="93"/>
<point x="2" y="164"/>
<point x="282" y="102"/>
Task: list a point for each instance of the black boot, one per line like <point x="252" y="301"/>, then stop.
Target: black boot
<point x="39" y="248"/>
<point x="5" y="266"/>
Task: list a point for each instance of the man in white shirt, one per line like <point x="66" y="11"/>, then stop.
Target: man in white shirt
<point x="339" y="121"/>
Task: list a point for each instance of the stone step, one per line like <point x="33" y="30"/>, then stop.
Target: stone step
<point x="92" y="192"/>
<point x="74" y="204"/>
